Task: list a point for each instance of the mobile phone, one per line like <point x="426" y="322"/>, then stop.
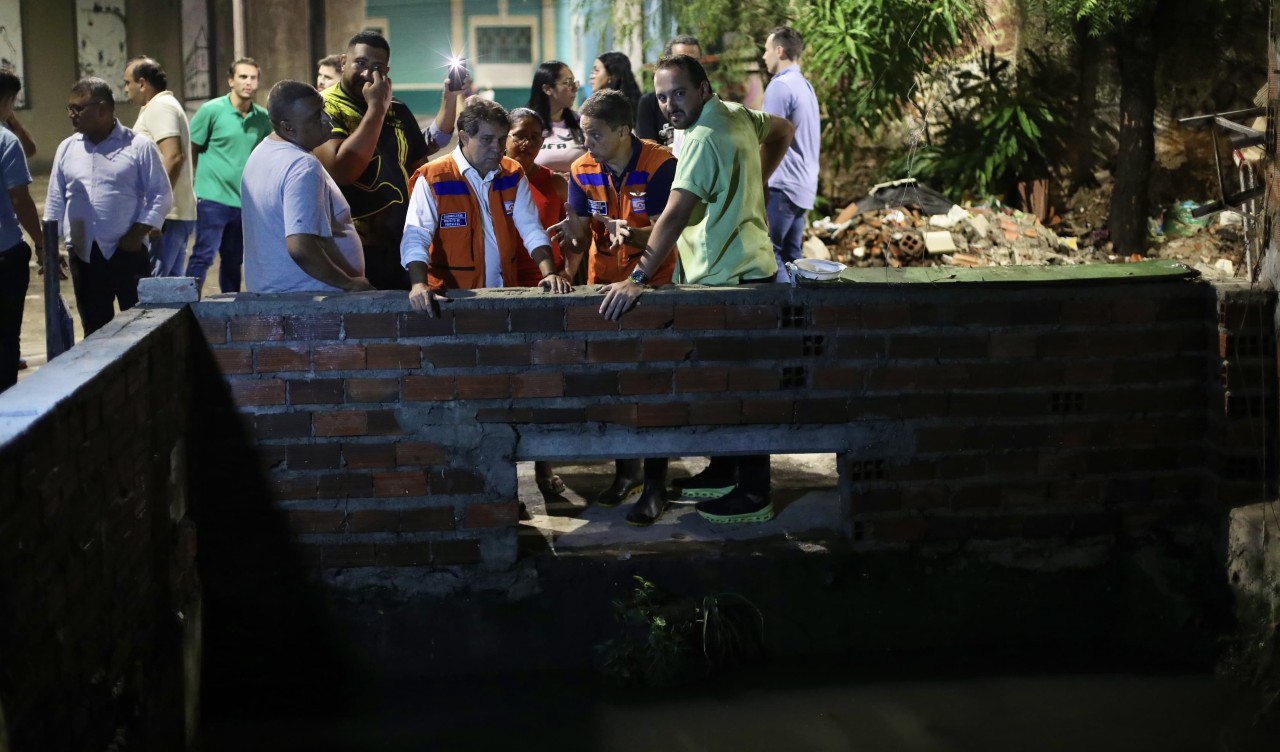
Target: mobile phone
<point x="457" y="73"/>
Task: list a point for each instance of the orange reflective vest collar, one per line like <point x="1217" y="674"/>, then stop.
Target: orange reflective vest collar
<point x="456" y="255"/>
<point x="604" y="266"/>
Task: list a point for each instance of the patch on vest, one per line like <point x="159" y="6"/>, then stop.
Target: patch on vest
<point x="509" y="207"/>
<point x="597" y="207"/>
<point x="453" y="219"/>
<point x="637" y="205"/>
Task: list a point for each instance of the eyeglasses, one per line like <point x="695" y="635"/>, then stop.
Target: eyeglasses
<point x="76" y="109"/>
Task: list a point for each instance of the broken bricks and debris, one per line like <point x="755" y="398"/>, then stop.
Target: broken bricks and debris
<point x="905" y="223"/>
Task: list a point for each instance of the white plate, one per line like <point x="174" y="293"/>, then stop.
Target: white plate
<point x="815" y="268"/>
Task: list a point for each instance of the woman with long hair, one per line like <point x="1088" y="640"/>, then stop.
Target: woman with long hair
<point x="612" y="70"/>
<point x="552" y="96"/>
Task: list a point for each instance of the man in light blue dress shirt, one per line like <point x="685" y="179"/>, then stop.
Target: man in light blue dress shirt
<point x="794" y="185"/>
<point x="107" y="190"/>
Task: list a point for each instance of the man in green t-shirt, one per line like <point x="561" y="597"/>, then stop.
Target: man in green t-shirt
<point x="224" y="132"/>
<point x="715" y="216"/>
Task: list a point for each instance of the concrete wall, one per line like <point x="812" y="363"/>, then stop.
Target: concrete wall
<point x="100" y="635"/>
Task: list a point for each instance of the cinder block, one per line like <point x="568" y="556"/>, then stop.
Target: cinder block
<point x="167" y="291"/>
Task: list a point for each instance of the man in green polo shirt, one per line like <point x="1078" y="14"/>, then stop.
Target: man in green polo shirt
<point x="224" y="132"/>
<point x="716" y="218"/>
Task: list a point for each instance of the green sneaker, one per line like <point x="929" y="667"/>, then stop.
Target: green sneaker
<point x="736" y="506"/>
<point x="707" y="484"/>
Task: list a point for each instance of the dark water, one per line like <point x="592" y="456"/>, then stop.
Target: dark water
<point x="800" y="706"/>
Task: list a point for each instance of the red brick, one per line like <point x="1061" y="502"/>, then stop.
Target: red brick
<point x="503" y="355"/>
<point x="644" y="382"/>
<point x="504" y="415"/>
<point x="343" y="555"/>
<point x="270" y="359"/>
<point x="450" y="356"/>
<point x="314" y="520"/>
<point x="292" y="425"/>
<point x="365" y="456"/>
<point x="1136" y="310"/>
<point x="383" y="357"/>
<point x="457" y="552"/>
<point x="648" y="317"/>
<point x="701" y="380"/>
<point x="248" y="392"/>
<point x="752" y="317"/>
<point x="489" y="514"/>
<point x="384" y="423"/>
<point x="270" y="457"/>
<point x="484" y="386"/>
<point x="290" y="488"/>
<point x="232" y="361"/>
<point x="313" y="456"/>
<point x="427" y="388"/>
<point x="767" y="411"/>
<point x="419" y="453"/>
<point x="373" y="390"/>
<point x="400" y="484"/>
<point x="427" y="520"/>
<point x="534" y="384"/>
<point x="404" y="554"/>
<point x="480" y="321"/>
<point x="619" y="413"/>
<point x="537" y="320"/>
<point x="556" y="415"/>
<point x="821" y="411"/>
<point x="342" y="423"/>
<point x="419" y="324"/>
<point x="613" y="351"/>
<point x="700" y="317"/>
<point x="315" y="391"/>
<point x="836" y="317"/>
<point x="558" y="351"/>
<point x="313" y="326"/>
<point x="345" y="485"/>
<point x="214" y="330"/>
<point x="715" y="413"/>
<point x="662" y="414"/>
<point x="591" y="384"/>
<point x="749" y="348"/>
<point x="454" y="481"/>
<point x="587" y="318"/>
<point x="657" y="349"/>
<point x="339" y="357"/>
<point x="258" y="328"/>
<point x="754" y="379"/>
<point x="373" y="521"/>
<point x="370" y="326"/>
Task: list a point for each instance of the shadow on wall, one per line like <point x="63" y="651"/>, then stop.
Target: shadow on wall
<point x="272" y="643"/>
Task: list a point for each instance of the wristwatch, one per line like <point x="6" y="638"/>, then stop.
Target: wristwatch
<point x="638" y="276"/>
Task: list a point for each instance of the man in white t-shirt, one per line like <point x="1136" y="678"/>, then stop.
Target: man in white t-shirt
<point x="298" y="233"/>
<point x="163" y="120"/>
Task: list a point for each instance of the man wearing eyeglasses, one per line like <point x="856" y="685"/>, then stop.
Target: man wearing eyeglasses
<point x="374" y="147"/>
<point x="108" y="191"/>
<point x="224" y="132"/>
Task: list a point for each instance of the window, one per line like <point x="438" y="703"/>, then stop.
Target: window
<point x="504" y="44"/>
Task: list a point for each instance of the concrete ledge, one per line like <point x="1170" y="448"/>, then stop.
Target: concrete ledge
<point x="153" y="291"/>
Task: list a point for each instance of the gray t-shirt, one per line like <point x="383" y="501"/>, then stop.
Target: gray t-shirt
<point x="286" y="191"/>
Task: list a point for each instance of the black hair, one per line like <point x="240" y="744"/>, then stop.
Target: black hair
<point x="789" y="40"/>
<point x="539" y="102"/>
<point x="611" y="106"/>
<point x="371" y="38"/>
<point x="10" y="84"/>
<point x="283" y="96"/>
<point x="477" y="110"/>
<point x="147" y="69"/>
<point x="97" y="89"/>
<point x="690" y="65"/>
<point x="683" y="39"/>
<point x="617" y="67"/>
<point x="523" y="113"/>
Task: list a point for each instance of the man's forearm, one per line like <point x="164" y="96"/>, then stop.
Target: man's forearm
<point x="417" y="273"/>
<point x="357" y="150"/>
<point x="545" y="261"/>
<point x="25" y="208"/>
<point x="310" y="254"/>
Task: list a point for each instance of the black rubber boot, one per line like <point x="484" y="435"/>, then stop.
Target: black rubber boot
<point x="715" y="481"/>
<point x="627" y="480"/>
<point x="653" y="500"/>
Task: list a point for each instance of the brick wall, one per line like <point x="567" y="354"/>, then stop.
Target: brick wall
<point x="959" y="411"/>
<point x="97" y="579"/>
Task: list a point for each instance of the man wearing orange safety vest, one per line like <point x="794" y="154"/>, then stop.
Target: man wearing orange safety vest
<point x="471" y="216"/>
<point x="621" y="184"/>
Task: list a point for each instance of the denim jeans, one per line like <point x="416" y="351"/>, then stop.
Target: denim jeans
<point x="103" y="282"/>
<point x="15" y="275"/>
<point x="786" y="230"/>
<point x="168" y="255"/>
<point x="217" y="229"/>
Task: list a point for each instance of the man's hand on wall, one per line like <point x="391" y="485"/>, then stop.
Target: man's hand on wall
<point x="619" y="298"/>
<point x="421" y="298"/>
